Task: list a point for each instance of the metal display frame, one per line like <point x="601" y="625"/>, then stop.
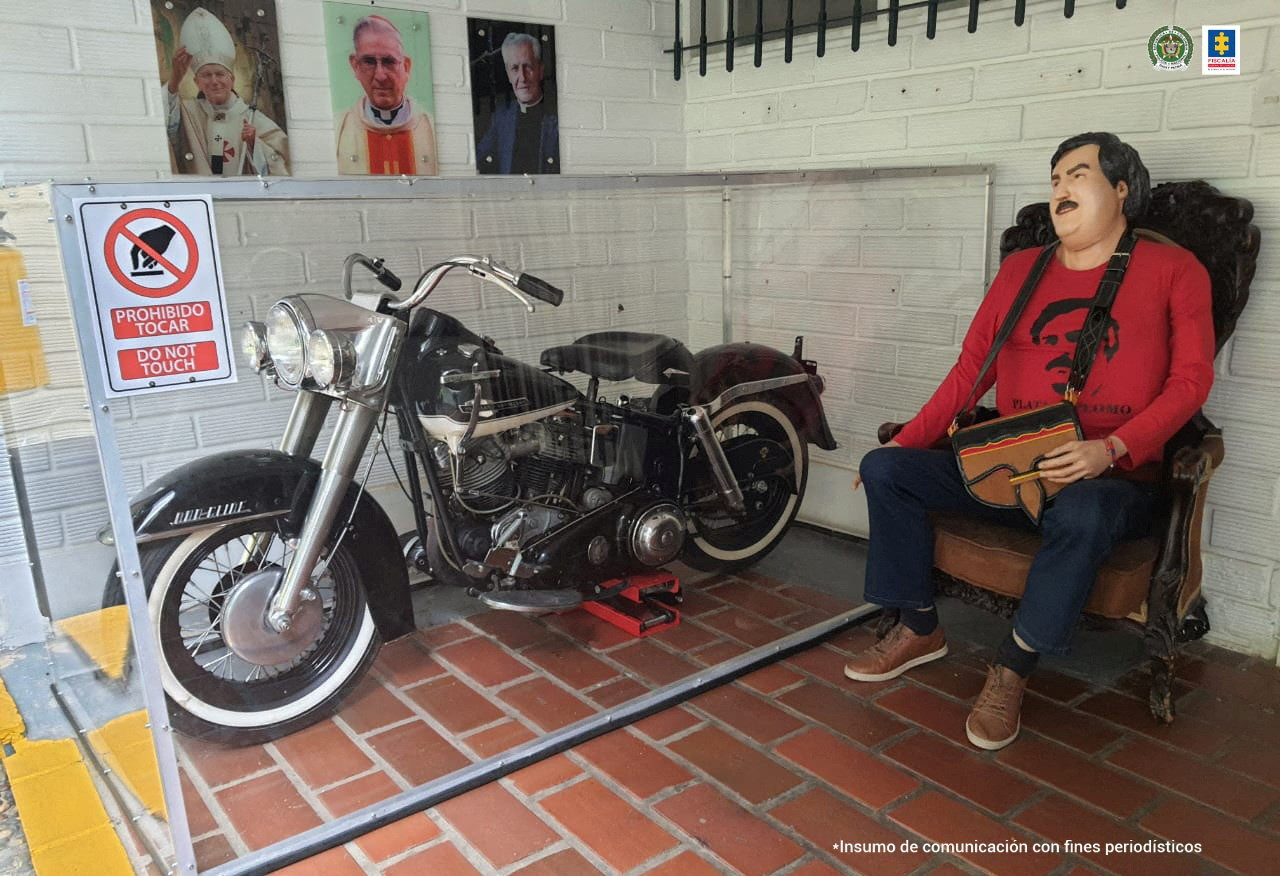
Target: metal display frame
<point x="63" y="197"/>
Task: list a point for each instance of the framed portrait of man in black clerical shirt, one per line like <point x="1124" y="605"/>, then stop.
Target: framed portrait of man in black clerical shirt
<point x="513" y="96"/>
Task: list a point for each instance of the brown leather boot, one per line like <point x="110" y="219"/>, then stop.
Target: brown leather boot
<point x="996" y="716"/>
<point x="897" y="652"/>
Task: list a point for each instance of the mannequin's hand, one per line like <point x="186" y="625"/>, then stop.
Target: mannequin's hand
<point x="1075" y="461"/>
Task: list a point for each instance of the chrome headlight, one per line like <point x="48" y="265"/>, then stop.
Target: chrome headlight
<point x="331" y="359"/>
<point x="286" y="344"/>
<point x="253" y="343"/>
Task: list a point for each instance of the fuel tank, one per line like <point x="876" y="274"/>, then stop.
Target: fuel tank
<point x="445" y="365"/>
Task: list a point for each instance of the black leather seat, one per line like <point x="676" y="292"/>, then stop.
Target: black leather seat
<point x="622" y="356"/>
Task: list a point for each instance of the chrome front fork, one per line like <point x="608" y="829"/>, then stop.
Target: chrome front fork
<point x="305" y="422"/>
<point x="306" y="419"/>
<point x="341" y="462"/>
<point x="726" y="483"/>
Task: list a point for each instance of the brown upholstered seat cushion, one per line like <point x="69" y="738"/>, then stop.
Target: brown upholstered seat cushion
<point x="998" y="558"/>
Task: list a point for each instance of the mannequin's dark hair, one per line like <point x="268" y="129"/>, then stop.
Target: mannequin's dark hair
<point x="1119" y="161"/>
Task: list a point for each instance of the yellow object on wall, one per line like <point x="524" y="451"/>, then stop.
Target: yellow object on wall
<point x="21" y="356"/>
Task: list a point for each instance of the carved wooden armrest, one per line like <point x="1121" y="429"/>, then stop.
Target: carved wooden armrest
<point x="1178" y="566"/>
<point x="888" y="431"/>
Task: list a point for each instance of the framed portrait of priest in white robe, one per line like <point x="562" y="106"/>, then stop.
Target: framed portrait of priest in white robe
<point x="381" y="89"/>
<point x="221" y="88"/>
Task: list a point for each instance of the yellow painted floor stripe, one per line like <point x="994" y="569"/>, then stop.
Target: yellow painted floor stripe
<point x="12" y="727"/>
<point x="67" y="828"/>
<point x="58" y="801"/>
<point x="125" y="744"/>
<point x="96" y="853"/>
<point x="103" y="636"/>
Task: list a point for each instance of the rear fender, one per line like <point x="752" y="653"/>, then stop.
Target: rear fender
<point x="715" y="369"/>
<point x="248" y="484"/>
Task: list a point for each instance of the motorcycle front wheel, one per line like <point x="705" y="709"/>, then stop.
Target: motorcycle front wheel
<point x="213" y="692"/>
<point x="724" y="542"/>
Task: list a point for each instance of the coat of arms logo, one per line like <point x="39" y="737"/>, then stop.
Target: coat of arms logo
<point x="1170" y="48"/>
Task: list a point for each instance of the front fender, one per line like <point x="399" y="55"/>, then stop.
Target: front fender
<point x="247" y="484"/>
<point x="222" y="487"/>
<point x="717" y="368"/>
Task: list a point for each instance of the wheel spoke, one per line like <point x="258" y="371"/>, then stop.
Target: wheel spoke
<point x="203" y="638"/>
<point x="201" y="596"/>
<point x="256" y="547"/>
<point x="212" y="668"/>
<point x="207" y="648"/>
<point x="193" y="642"/>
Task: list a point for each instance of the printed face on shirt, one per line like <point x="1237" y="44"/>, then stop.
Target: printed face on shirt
<point x="381" y="67"/>
<point x="1084" y="206"/>
<point x="1057" y="330"/>
<point x="524" y="72"/>
<point x="216" y="83"/>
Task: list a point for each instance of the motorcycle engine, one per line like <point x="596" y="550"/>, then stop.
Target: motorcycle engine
<point x="537" y="460"/>
<point x="519" y="527"/>
<point x="549" y="452"/>
<point x="519" y="485"/>
<point x="482" y="478"/>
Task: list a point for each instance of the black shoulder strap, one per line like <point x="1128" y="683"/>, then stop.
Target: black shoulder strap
<point x="1006" y="327"/>
<point x="1095" y="323"/>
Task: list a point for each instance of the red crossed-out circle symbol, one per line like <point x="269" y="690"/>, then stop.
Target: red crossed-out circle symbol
<point x="119" y="234"/>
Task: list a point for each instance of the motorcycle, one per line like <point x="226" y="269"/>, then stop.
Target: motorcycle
<point x="272" y="579"/>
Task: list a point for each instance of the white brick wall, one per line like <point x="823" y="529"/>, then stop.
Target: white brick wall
<point x="1006" y="96"/>
<point x="82" y="95"/>
<point x="831" y="262"/>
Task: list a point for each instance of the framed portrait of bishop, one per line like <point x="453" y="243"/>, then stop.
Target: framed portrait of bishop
<point x="380" y="84"/>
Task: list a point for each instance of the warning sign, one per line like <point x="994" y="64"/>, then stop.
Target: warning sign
<point x="151" y="253"/>
<point x="156" y="282"/>
<point x="161" y="319"/>
<point x="144" y="362"/>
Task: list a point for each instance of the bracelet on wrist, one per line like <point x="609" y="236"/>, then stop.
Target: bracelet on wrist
<point x="1110" y="445"/>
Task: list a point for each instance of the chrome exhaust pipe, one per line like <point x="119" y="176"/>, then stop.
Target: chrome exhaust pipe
<point x="726" y="483"/>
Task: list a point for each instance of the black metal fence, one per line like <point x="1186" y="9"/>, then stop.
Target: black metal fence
<point x="824" y="21"/>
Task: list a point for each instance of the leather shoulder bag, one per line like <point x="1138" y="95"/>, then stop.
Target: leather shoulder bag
<point x="998" y="458"/>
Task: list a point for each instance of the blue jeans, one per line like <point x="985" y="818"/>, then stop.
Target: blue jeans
<point x="1079" y="528"/>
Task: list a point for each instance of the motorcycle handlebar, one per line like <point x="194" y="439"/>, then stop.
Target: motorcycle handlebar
<point x="377" y="267"/>
<point x="385" y="276"/>
<point x="486" y="269"/>
<point x="540" y="289"/>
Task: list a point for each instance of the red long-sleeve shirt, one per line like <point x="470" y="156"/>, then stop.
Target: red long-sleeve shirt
<point x="1152" y="372"/>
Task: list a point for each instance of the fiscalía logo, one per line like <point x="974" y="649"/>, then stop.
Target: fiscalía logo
<point x="1221" y="50"/>
<point x="1170" y="48"/>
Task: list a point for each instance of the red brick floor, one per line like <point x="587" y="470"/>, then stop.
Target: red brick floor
<point x="786" y="771"/>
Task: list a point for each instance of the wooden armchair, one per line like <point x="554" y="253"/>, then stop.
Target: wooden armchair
<point x="1150" y="584"/>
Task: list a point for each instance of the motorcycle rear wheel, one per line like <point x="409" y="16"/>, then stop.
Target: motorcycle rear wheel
<point x="213" y="693"/>
<point x="722" y="543"/>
